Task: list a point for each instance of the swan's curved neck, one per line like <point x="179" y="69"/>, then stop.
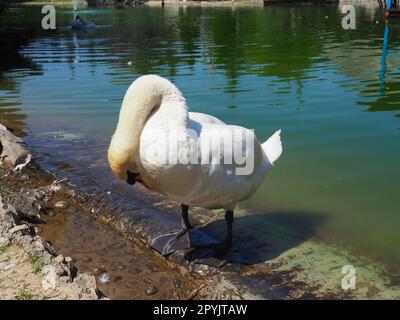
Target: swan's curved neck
<point x="148" y="95"/>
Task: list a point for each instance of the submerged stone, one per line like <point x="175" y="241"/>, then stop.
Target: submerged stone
<point x="61" y="205"/>
<point x="151" y="290"/>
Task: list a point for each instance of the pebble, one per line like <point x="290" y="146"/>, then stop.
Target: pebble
<point x="104" y="278"/>
<point x="4" y="241"/>
<point x="55" y="187"/>
<point x="59" y="258"/>
<point x="9" y="266"/>
<point x="23" y="178"/>
<point x="61" y="205"/>
<point x="148" y="280"/>
<point x="150" y="290"/>
<point x="68" y="259"/>
<point x="95" y="210"/>
<point x="40" y="194"/>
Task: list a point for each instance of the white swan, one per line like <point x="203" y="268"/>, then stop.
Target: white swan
<point x="160" y="144"/>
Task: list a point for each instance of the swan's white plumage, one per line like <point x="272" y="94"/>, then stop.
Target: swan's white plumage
<point x="151" y="107"/>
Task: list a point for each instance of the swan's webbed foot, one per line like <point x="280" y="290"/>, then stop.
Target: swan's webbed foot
<point x="169" y="243"/>
<point x="180" y="240"/>
<point x="212" y="254"/>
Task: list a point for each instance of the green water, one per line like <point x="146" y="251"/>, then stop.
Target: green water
<point x="335" y="94"/>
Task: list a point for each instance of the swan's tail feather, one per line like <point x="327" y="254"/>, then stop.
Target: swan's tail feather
<point x="273" y="147"/>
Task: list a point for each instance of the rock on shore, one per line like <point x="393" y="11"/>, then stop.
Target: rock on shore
<point x="12" y="148"/>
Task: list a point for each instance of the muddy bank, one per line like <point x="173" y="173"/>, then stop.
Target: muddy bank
<point x="275" y="255"/>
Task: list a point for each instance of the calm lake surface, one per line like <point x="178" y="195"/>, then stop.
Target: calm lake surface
<point x="335" y="94"/>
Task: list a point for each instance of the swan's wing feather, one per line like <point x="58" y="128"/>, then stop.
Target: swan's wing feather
<point x="208" y="184"/>
<point x="273" y="147"/>
<point x="221" y="142"/>
<point x="204" y="118"/>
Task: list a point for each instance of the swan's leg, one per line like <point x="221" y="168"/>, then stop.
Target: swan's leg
<point x="170" y="243"/>
<point x="185" y="217"/>
<point x="186" y="226"/>
<point x="218" y="254"/>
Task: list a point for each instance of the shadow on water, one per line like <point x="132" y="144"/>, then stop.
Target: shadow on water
<point x="387" y="92"/>
<point x="262" y="237"/>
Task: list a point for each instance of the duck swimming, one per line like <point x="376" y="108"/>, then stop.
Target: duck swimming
<point x="193" y="158"/>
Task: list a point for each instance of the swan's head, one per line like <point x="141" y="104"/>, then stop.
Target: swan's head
<point x="118" y="161"/>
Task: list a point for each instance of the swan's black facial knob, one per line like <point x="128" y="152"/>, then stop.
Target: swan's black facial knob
<point x="131" y="177"/>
